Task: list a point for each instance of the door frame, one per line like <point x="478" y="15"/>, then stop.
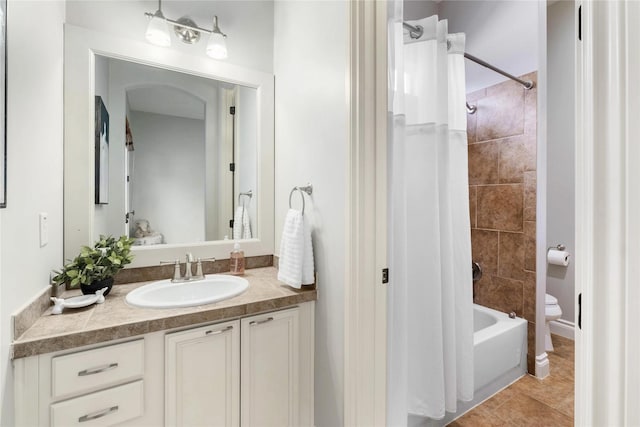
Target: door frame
<point x="366" y="223"/>
<point x="607" y="211"/>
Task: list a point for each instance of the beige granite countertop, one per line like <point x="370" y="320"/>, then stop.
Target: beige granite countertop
<point x="115" y="319"/>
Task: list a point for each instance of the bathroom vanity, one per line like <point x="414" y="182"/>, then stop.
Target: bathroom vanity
<point x="243" y="361"/>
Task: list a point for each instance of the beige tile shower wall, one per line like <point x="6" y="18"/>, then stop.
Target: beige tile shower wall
<point x="502" y="191"/>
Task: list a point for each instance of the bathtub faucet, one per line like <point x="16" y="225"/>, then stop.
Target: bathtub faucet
<point x="476" y="271"/>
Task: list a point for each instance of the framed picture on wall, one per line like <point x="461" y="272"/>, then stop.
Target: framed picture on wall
<point x="102" y="152"/>
<point x="3" y="103"/>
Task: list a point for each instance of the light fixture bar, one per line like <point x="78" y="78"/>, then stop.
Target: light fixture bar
<point x="194" y="28"/>
<point x="187" y="31"/>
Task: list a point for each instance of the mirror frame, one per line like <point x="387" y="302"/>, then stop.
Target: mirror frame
<point x="81" y="46"/>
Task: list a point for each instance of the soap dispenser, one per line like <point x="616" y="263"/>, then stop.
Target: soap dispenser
<point x="236" y="261"/>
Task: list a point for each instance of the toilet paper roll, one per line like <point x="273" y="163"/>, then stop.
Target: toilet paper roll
<point x="556" y="257"/>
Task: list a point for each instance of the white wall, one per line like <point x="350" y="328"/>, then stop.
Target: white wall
<point x="219" y="173"/>
<point x="418" y="9"/>
<point x="248" y="24"/>
<point x="502" y="33"/>
<point x="560" y="150"/>
<point x="246" y="167"/>
<point x="34" y="167"/>
<point x="169" y="174"/>
<point x="311" y="125"/>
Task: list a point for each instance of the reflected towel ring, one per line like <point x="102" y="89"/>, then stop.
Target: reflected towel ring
<point x="306" y="189"/>
<point x="249" y="194"/>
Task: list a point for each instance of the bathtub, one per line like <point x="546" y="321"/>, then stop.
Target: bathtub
<point x="500" y="358"/>
<point x="499" y="346"/>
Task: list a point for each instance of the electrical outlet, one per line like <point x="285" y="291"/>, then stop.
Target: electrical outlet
<point x="44" y="229"/>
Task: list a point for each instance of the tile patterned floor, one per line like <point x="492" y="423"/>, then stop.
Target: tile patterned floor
<point x="529" y="401"/>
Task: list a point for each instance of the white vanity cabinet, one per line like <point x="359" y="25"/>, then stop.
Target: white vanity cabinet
<point x="252" y="371"/>
<point x="270" y="369"/>
<point x="202" y="376"/>
<point x="246" y="372"/>
<point x="78" y="373"/>
<point x="98" y="386"/>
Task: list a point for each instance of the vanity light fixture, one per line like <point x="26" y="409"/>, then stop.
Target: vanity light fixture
<point x="217" y="46"/>
<point x="187" y="31"/>
<point x="158" y="30"/>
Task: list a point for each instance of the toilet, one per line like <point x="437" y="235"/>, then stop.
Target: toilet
<point x="552" y="311"/>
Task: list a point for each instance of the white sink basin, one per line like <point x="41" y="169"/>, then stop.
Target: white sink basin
<point x="164" y="294"/>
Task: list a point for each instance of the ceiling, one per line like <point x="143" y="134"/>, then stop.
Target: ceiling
<point x="166" y="100"/>
<point x="502" y="33"/>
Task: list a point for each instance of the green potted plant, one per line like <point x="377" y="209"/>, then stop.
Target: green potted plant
<point x="94" y="268"/>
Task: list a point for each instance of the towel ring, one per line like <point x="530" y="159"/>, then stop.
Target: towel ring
<point x="306" y="189"/>
<point x="249" y="194"/>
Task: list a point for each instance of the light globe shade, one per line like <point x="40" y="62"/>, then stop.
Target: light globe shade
<point x="158" y="32"/>
<point x="217" y="46"/>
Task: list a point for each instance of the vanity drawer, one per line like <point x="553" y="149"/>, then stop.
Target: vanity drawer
<point x="90" y="369"/>
<point x="103" y="408"/>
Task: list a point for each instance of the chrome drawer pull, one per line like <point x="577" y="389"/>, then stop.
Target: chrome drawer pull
<point x="228" y="328"/>
<point x="98" y="414"/>
<point x="97" y="370"/>
<point x="260" y="322"/>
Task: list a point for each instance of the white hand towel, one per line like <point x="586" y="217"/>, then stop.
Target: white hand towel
<point x="237" y="223"/>
<point x="296" y="251"/>
<point x="246" y="225"/>
<point x="241" y="224"/>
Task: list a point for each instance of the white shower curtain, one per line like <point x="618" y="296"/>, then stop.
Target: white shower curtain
<point x="430" y="297"/>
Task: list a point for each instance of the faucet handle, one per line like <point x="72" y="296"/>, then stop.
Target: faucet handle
<point x="176" y="270"/>
<point x="199" y="272"/>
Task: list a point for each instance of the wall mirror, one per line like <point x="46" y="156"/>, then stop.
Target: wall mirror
<point x="165" y="147"/>
<point x="179" y="163"/>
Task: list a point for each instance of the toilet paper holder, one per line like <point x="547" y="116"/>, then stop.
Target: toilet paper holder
<point x="559" y="247"/>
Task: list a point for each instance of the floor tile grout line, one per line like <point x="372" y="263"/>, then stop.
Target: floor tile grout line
<point x="545" y="404"/>
<point x="530" y="397"/>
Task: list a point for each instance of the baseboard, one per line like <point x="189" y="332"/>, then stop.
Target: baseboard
<point x="542" y="366"/>
<point x="564" y="328"/>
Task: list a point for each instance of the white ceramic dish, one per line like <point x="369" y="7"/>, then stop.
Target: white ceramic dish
<point x="80" y="301"/>
<point x="77" y="302"/>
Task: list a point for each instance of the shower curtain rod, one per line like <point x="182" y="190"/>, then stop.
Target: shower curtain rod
<point x="415" y="32"/>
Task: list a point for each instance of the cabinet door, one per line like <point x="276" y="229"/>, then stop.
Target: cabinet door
<point x="270" y="353"/>
<point x="202" y="376"/>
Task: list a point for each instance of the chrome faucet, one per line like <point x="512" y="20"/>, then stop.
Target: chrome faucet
<point x="187" y="270"/>
<point x="188" y="275"/>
